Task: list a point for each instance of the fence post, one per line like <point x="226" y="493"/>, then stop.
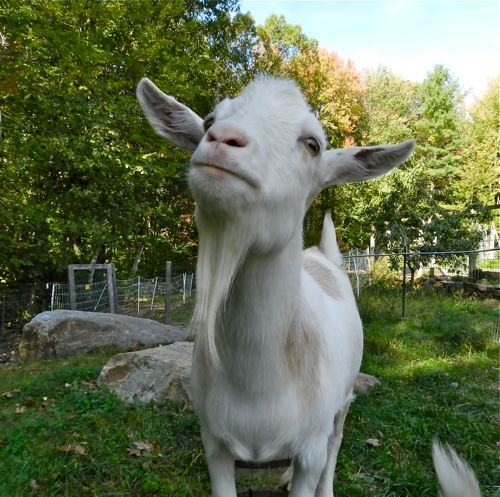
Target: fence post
<point x="153" y="296"/>
<point x="403" y="293"/>
<point x="472" y="265"/>
<point x="4" y="306"/>
<point x="138" y="295"/>
<point x="168" y="288"/>
<point x="111" y="281"/>
<point x="72" y="287"/>
<point x="52" y="296"/>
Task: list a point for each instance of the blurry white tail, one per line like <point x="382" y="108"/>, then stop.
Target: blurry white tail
<point x="456" y="478"/>
<point x="328" y="244"/>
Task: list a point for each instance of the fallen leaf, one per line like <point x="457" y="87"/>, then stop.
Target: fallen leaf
<point x="79" y="449"/>
<point x="146" y="446"/>
<point x="11" y="393"/>
<point x="141" y="449"/>
<point x="134" y="453"/>
<point x="76" y="448"/>
<point x="373" y="442"/>
<point x="20" y="409"/>
<point x="92" y="385"/>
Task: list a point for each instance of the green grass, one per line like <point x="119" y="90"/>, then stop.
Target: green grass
<point x="439" y="373"/>
<point x="438" y="370"/>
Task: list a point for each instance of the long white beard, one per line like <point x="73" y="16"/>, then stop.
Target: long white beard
<point x="222" y="249"/>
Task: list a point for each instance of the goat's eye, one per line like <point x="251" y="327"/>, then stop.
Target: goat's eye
<point x="312" y="146"/>
<point x="208" y="123"/>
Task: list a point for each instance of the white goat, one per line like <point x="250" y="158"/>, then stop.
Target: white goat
<point x="278" y="336"/>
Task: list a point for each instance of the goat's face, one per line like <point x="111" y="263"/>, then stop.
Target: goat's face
<point x="260" y="148"/>
<point x="261" y="153"/>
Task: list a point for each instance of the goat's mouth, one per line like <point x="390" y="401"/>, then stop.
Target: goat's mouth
<point x="220" y="172"/>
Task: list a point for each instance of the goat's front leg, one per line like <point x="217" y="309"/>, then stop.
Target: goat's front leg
<point x="220" y="464"/>
<point x="325" y="486"/>
<point x="308" y="466"/>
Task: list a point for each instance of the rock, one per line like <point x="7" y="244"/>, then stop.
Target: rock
<point x="365" y="382"/>
<point x="63" y="333"/>
<point x="158" y="374"/>
<point x="162" y="373"/>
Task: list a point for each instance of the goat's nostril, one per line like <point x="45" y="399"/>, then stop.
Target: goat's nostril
<point x="234" y="141"/>
<point x="229" y="139"/>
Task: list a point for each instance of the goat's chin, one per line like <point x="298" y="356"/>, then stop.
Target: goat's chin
<point x="220" y="190"/>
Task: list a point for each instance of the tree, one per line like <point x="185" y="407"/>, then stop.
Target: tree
<point x="480" y="176"/>
<point x="340" y="100"/>
<point x="391" y="106"/>
<point x="437" y="131"/>
<point x="82" y="177"/>
<point x="416" y="207"/>
<point x="408" y="218"/>
<point x="282" y="49"/>
<point x="387" y="115"/>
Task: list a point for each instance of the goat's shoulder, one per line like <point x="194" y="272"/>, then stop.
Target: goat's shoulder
<point x="329" y="277"/>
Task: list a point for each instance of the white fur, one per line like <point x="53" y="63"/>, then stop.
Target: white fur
<point x="456" y="478"/>
<point x="278" y="347"/>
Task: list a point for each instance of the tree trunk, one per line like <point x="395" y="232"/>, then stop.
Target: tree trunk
<point x="137" y="259"/>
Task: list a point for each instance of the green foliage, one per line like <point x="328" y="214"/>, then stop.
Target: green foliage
<point x="82" y="173"/>
<point x="437" y="133"/>
<point x="391" y="107"/>
<point x="83" y="178"/>
<point x="491" y="264"/>
<point x="480" y="176"/>
<point x="416" y="207"/>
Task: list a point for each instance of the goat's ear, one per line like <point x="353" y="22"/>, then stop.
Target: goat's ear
<point x="169" y="118"/>
<point x="350" y="165"/>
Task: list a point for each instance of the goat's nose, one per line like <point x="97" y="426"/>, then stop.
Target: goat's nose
<point x="229" y="139"/>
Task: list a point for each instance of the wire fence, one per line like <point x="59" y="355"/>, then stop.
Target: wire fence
<point x="153" y="298"/>
<point x="165" y="297"/>
<point x="467" y="272"/>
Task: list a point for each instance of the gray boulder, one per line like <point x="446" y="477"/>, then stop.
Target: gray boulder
<point x="158" y="374"/>
<point x="55" y="334"/>
<point x="365" y="382"/>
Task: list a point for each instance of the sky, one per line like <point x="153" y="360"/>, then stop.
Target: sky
<point x="409" y="36"/>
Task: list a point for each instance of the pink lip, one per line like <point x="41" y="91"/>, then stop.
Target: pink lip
<point x="219" y="172"/>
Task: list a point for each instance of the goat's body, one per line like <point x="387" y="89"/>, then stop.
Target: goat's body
<point x="287" y="369"/>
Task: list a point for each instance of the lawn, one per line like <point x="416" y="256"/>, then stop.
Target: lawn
<point x="60" y="435"/>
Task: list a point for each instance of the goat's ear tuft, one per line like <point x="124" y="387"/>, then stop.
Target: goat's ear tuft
<point x="351" y="165"/>
<point x="168" y="117"/>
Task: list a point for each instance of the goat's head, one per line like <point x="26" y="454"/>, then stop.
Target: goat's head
<point x="262" y="152"/>
<point x="258" y="161"/>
